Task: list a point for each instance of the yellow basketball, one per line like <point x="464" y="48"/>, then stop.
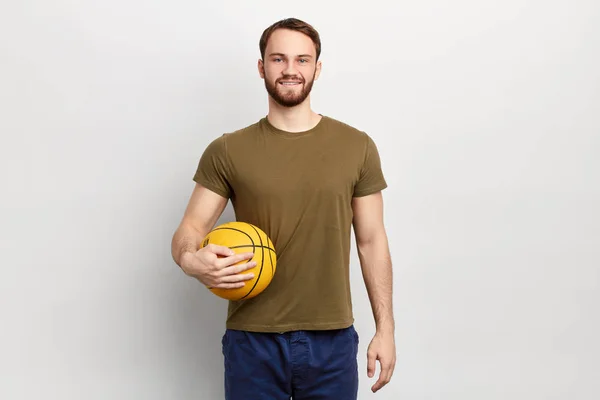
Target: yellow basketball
<point x="242" y="237"/>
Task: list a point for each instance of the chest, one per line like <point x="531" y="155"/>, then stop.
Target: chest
<point x="296" y="169"/>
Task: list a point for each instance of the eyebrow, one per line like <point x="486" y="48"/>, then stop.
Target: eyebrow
<point x="283" y="55"/>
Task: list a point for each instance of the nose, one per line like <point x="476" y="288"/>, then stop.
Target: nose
<point x="289" y="69"/>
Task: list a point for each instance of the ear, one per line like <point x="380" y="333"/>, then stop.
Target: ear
<point x="261" y="69"/>
<point x="318" y="71"/>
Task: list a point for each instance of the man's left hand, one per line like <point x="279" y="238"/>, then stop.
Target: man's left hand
<point x="383" y="349"/>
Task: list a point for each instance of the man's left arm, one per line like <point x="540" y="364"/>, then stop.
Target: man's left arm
<point x="376" y="266"/>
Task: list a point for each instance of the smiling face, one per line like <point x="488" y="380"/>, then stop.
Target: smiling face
<point x="290" y="67"/>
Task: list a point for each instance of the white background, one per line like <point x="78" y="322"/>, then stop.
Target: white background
<point x="486" y="114"/>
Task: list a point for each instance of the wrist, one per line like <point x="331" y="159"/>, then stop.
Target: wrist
<point x="184" y="258"/>
<point x="386" y="329"/>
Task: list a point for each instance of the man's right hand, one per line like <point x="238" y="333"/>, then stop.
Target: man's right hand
<point x="213" y="265"/>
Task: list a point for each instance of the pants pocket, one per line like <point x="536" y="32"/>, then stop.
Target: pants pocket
<point x="353" y="334"/>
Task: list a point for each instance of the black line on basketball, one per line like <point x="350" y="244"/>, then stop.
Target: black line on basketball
<point x="262" y="263"/>
<point x="253" y="246"/>
<point x="271" y="258"/>
<point x="237" y="230"/>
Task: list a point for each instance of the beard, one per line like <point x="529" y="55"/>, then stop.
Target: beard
<point x="289" y="97"/>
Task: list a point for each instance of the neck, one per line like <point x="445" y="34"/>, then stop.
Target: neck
<point x="293" y="119"/>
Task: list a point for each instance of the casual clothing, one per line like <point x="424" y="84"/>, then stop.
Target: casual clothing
<point x="297" y="188"/>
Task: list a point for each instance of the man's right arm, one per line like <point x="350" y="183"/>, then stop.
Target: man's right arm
<point x="213" y="265"/>
<point x="201" y="214"/>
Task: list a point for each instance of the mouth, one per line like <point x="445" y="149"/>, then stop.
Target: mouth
<point x="290" y="83"/>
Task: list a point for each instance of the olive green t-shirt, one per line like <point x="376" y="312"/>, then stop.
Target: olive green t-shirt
<point x="297" y="188"/>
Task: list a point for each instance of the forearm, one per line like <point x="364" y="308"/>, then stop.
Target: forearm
<point x="186" y="239"/>
<point x="376" y="265"/>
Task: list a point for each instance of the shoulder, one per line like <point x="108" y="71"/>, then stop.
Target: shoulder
<point x="351" y="134"/>
<point x="226" y="140"/>
<point x="344" y="127"/>
<point x="241" y="134"/>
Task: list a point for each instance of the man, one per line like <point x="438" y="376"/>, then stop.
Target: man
<point x="305" y="179"/>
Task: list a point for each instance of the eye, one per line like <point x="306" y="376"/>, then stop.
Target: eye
<point x="277" y="59"/>
<point x="303" y="60"/>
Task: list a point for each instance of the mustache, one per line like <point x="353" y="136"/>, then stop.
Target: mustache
<point x="291" y="78"/>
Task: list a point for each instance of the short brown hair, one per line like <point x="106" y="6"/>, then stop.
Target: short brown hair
<point x="292" y="24"/>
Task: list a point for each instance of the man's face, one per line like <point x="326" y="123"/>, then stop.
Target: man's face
<point x="290" y="67"/>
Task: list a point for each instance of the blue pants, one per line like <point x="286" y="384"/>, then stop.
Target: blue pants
<point x="302" y="365"/>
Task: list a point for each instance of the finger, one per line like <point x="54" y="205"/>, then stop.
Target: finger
<point x="371" y="364"/>
<point x="384" y="376"/>
<point x="392" y="367"/>
<point x="236" y="269"/>
<point x="225" y="285"/>
<point x="234" y="259"/>
<point x="220" y="250"/>
<point x="237" y="278"/>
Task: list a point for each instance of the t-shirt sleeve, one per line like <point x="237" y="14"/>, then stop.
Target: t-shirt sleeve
<point x="371" y="177"/>
<point x="214" y="171"/>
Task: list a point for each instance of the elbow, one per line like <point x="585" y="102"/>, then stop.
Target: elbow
<point x="373" y="239"/>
